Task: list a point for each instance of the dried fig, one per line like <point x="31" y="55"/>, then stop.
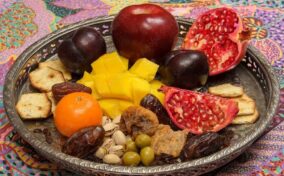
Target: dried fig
<point x="61" y="89"/>
<point x="136" y="119"/>
<point x="84" y="142"/>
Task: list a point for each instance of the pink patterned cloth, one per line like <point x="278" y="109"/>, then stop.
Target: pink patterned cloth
<point x="22" y="22"/>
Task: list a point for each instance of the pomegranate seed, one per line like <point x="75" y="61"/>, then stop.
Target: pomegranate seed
<point x="176" y="97"/>
<point x="216" y="28"/>
<point x="179" y="110"/>
<point x="173" y="101"/>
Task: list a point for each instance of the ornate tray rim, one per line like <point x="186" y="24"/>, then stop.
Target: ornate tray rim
<point x="75" y="164"/>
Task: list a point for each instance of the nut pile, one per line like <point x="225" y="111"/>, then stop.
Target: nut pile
<point x="118" y="148"/>
<point x="113" y="146"/>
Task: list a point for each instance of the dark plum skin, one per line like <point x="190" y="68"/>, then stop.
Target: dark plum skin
<point x="185" y="69"/>
<point x="144" y="30"/>
<point x="85" y="46"/>
<point x="171" y="55"/>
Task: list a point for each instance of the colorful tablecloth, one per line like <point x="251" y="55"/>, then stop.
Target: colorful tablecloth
<point x="22" y="22"/>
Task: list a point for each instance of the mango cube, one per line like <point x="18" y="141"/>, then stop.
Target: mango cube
<point x="155" y="85"/>
<point x="114" y="107"/>
<point x="88" y="80"/>
<point x="140" y="88"/>
<point x="125" y="61"/>
<point x="98" y="66"/>
<point x="110" y="107"/>
<point x="124" y="104"/>
<point x="144" y="69"/>
<point x="110" y="63"/>
<point x="120" y="86"/>
<point x="114" y="63"/>
<point x="86" y="77"/>
<point x="101" y="85"/>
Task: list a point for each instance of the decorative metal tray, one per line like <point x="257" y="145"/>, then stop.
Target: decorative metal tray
<point x="254" y="74"/>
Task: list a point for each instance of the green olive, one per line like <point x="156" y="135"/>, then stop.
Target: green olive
<point x="147" y="155"/>
<point x="131" y="146"/>
<point x="143" y="140"/>
<point x="131" y="158"/>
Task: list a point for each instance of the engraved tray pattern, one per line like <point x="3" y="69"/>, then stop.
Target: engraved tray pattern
<point x="254" y="72"/>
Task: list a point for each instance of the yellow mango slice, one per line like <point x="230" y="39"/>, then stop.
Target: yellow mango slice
<point x="88" y="80"/>
<point x="120" y="86"/>
<point x="110" y="107"/>
<point x="124" y="104"/>
<point x="101" y="85"/>
<point x="110" y="63"/>
<point x="98" y="66"/>
<point x="95" y="94"/>
<point x="155" y="85"/>
<point x="140" y="88"/>
<point x="114" y="63"/>
<point x="144" y="69"/>
<point x="125" y="61"/>
<point x="114" y="107"/>
<point x="86" y="77"/>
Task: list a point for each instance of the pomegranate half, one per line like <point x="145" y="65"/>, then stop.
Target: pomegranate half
<point x="219" y="33"/>
<point x="198" y="112"/>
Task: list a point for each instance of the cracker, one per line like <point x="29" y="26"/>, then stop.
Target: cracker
<point x="246" y="97"/>
<point x="167" y="141"/>
<point x="57" y="65"/>
<point x="245" y="107"/>
<point x="52" y="100"/>
<point x="245" y="119"/>
<point x="33" y="106"/>
<point x="226" y="90"/>
<point x="44" y="78"/>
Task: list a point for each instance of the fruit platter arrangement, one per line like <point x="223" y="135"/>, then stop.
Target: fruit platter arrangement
<point x="143" y="92"/>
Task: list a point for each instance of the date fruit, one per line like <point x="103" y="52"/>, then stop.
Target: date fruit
<point x="202" y="145"/>
<point x="153" y="104"/>
<point x="84" y="142"/>
<point x="61" y="89"/>
<point x="163" y="159"/>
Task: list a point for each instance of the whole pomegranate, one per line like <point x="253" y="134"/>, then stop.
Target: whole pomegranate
<point x="219" y="33"/>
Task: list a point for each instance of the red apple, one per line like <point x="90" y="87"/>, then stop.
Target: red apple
<point x="144" y="30"/>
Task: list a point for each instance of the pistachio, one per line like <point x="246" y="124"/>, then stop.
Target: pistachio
<point x="105" y="120"/>
<point x="111" y="159"/>
<point x="108" y="142"/>
<point x="119" y="137"/>
<point x="116" y="120"/>
<point x="101" y="152"/>
<point x="117" y="150"/>
<point x="110" y="128"/>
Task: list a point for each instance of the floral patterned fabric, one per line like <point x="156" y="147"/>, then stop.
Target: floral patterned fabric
<point x="22" y="22"/>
